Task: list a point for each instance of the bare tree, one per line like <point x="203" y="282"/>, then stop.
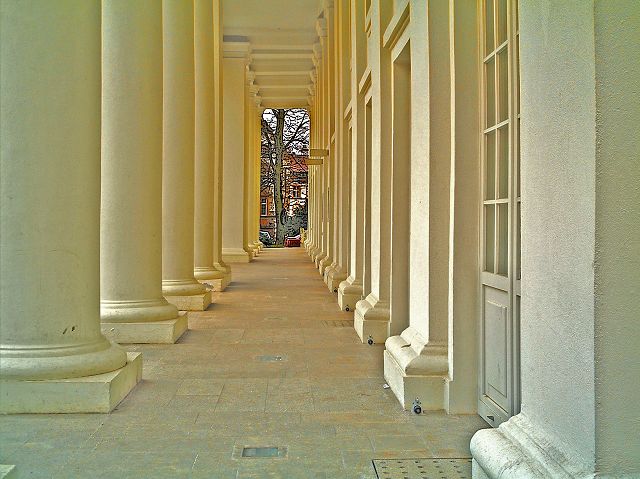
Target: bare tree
<point x="283" y="131"/>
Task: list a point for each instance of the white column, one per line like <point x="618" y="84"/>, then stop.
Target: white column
<point x="178" y="283"/>
<point x="343" y="146"/>
<point x="205" y="270"/>
<point x="329" y="164"/>
<point x="233" y="215"/>
<point x="131" y="302"/>
<point x="249" y="165"/>
<point x="350" y="290"/>
<point x="49" y="214"/>
<point x="580" y="248"/>
<point x="371" y="319"/>
<point x="257" y="162"/>
<point x="219" y="285"/>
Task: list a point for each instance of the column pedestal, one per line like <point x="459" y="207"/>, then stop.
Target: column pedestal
<point x="415" y="368"/>
<point x="349" y="293"/>
<point x="89" y="394"/>
<point x="333" y="277"/>
<point x="371" y="319"/>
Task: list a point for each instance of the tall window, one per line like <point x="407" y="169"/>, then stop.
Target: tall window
<point x="263" y="206"/>
<point x="500" y="250"/>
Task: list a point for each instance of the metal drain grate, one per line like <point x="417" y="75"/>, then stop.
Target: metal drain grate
<point x="271" y="359"/>
<point x="266" y="452"/>
<point x="422" y="468"/>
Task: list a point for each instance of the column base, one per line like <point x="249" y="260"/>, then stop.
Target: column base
<point x="89" y="394"/>
<point x="371" y="320"/>
<point x="349" y="293"/>
<point x="217" y="284"/>
<point x="147" y="332"/>
<point x="334" y="277"/>
<point x="193" y="302"/>
<point x="323" y="264"/>
<point x="519" y="449"/>
<point x="8" y="472"/>
<point x="236" y="255"/>
<point x="213" y="279"/>
<point x="319" y="256"/>
<point x="415" y="368"/>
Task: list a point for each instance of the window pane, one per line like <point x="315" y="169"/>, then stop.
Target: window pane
<point x="503" y="85"/>
<point x="503" y="239"/>
<point x="488" y="27"/>
<point x="503" y="162"/>
<point x="490" y="104"/>
<point x="518" y="250"/>
<point x="489" y="237"/>
<point x="502" y="21"/>
<point x="490" y="166"/>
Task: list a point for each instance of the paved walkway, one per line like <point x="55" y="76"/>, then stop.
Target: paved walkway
<point x="272" y="363"/>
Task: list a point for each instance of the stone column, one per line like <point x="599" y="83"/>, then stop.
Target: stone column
<point x="343" y="146"/>
<point x="249" y="165"/>
<point x="53" y="357"/>
<point x="178" y="283"/>
<point x="218" y="150"/>
<point x="371" y="319"/>
<point x="257" y="152"/>
<point x="235" y="55"/>
<point x="350" y="290"/>
<point x="205" y="269"/>
<point x="580" y="248"/>
<point x="321" y="253"/>
<point x="132" y="307"/>
<point x="416" y="359"/>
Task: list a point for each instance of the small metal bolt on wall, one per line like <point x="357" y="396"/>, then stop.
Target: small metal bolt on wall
<point x="370" y="341"/>
<point x="417" y="406"/>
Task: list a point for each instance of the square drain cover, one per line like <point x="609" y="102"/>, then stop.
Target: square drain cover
<point x="271" y="358"/>
<point x="423" y="468"/>
<point x="267" y="451"/>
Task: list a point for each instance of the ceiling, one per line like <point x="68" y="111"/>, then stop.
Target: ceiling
<point x="281" y="34"/>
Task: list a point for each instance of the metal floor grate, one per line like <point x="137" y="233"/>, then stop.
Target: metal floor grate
<point x="269" y="358"/>
<point x="259" y="452"/>
<point x="419" y="468"/>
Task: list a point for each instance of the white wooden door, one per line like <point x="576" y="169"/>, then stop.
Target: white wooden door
<point x="499" y="372"/>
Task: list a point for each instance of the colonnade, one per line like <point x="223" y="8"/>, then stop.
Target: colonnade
<point x="113" y="159"/>
<point x="420" y="163"/>
<point x="474" y="213"/>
